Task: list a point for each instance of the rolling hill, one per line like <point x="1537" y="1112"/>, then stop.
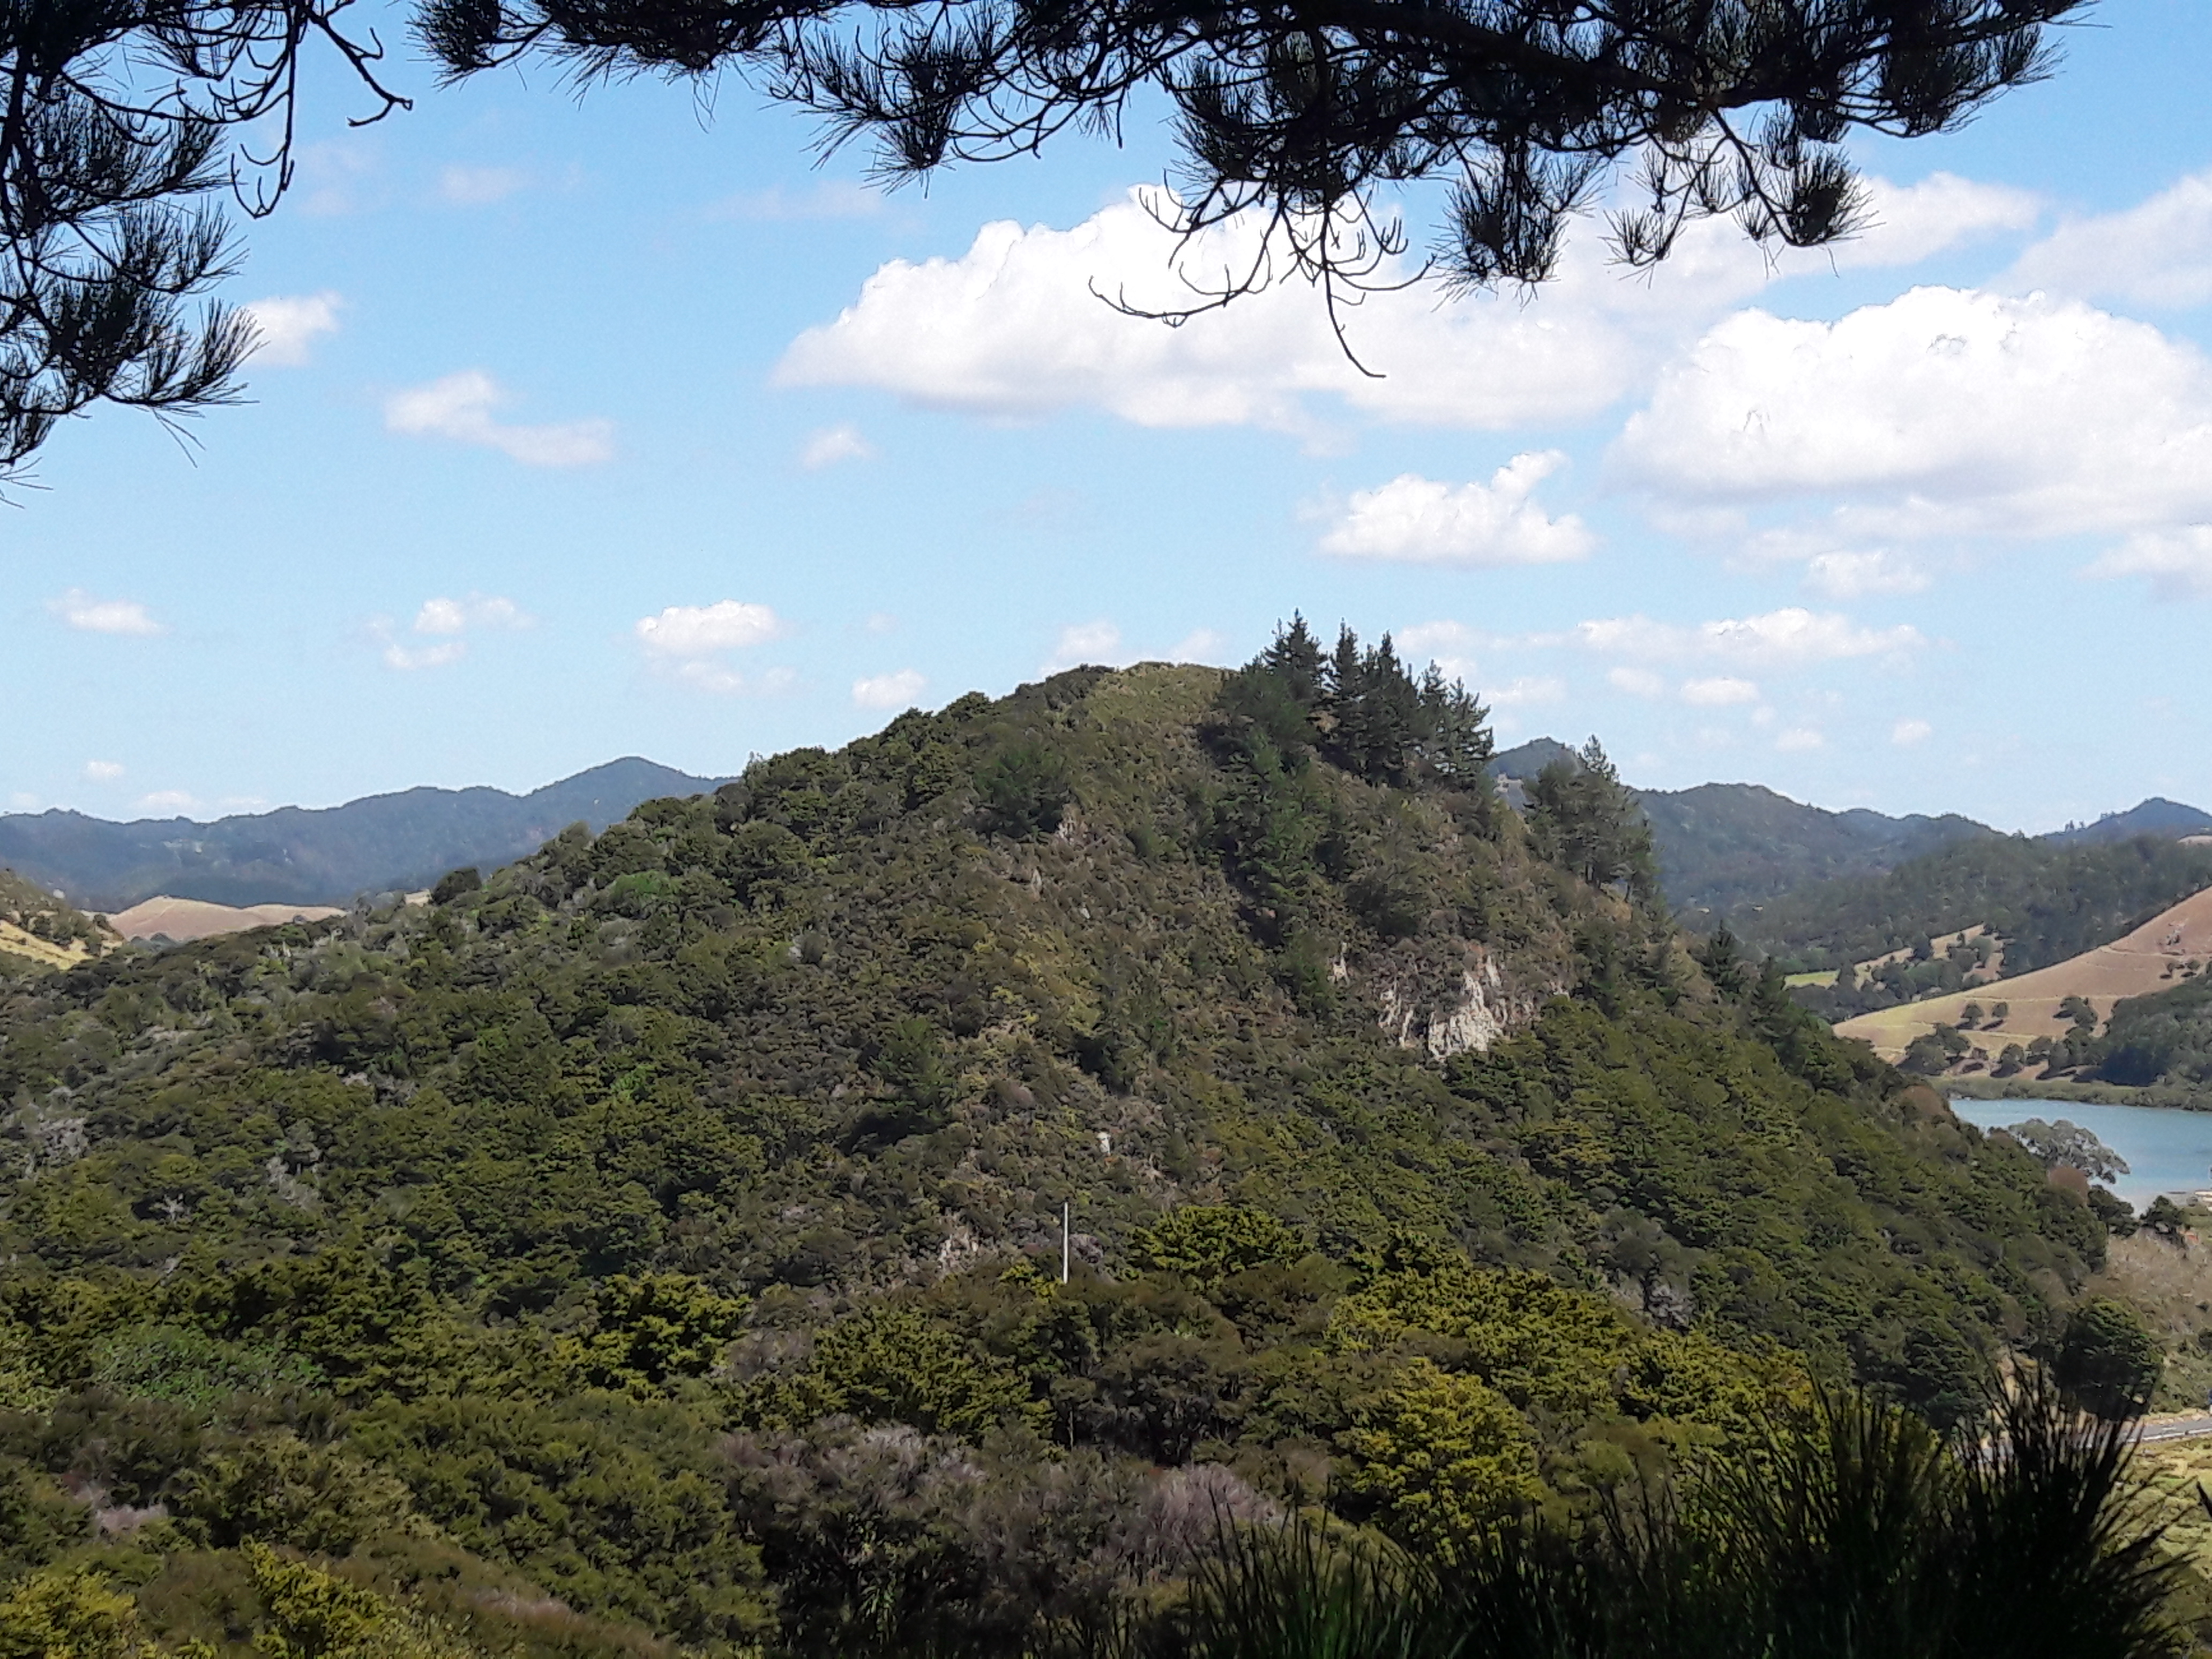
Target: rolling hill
<point x="2142" y="962"/>
<point x="319" y="855"/>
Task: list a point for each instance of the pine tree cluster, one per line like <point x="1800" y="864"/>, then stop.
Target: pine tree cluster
<point x="1362" y="709"/>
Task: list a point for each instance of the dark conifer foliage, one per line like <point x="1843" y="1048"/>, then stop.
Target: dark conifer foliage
<point x="1306" y="110"/>
<point x="113" y="148"/>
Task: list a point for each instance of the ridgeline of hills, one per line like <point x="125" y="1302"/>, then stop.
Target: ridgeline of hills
<point x="1728" y="851"/>
<point x="327" y="855"/>
<point x="657" y="1247"/>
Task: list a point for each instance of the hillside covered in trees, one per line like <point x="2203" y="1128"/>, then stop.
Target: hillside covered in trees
<point x="658" y="1243"/>
<point x="2047" y="900"/>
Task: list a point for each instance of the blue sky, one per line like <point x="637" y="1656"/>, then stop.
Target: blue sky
<point x="614" y="426"/>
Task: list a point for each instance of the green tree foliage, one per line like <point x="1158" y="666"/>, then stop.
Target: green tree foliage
<point x="1589" y="821"/>
<point x="1851" y="1529"/>
<point x="1208" y="1243"/>
<point x="2107" y="1360"/>
<point x="2047" y="900"/>
<point x="452" y="1243"/>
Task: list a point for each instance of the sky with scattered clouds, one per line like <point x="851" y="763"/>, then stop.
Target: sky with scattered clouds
<point x="588" y="427"/>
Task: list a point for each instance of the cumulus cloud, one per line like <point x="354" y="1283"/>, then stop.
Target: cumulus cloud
<point x="461" y="407"/>
<point x="1907" y="732"/>
<point x="2179" y="563"/>
<point x="81" y="610"/>
<point x="1016" y="326"/>
<point x="1858" y="575"/>
<point x="898" y="690"/>
<point x="443" y="615"/>
<point x="1942" y="411"/>
<point x="1721" y="692"/>
<point x="1098" y="642"/>
<point x="100" y="771"/>
<point x="684" y="631"/>
<point x="1907" y="223"/>
<point x="289" y="326"/>
<point x="444" y="621"/>
<point x="687" y="643"/>
<point x="1417" y="520"/>
<point x="1637" y="681"/>
<point x="1797" y="740"/>
<point x="1785" y="639"/>
<point x="475" y="186"/>
<point x="2158" y="252"/>
<point x="833" y="444"/>
<point x="176" y="801"/>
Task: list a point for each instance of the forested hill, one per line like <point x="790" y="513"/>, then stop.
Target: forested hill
<point x="658" y="1245"/>
<point x="2047" y="900"/>
<point x="1725" y="848"/>
<point x="318" y="855"/>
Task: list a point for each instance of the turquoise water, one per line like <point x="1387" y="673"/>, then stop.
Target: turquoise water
<point x="2167" y="1150"/>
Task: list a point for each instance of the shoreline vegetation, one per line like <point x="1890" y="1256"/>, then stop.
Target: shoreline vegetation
<point x="2089" y="1094"/>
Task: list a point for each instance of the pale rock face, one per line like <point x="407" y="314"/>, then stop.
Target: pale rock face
<point x="1471" y="1022"/>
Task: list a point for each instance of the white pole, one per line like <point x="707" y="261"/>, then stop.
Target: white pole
<point x="1063" y="1243"/>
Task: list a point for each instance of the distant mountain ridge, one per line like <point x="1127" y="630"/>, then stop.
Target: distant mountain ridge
<point x="1726" y="847"/>
<point x="321" y="856"/>
<point x="1722" y="845"/>
<point x="2155" y="816"/>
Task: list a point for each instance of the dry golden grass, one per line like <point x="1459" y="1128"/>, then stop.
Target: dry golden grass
<point x="2142" y="962"/>
<point x="46" y="953"/>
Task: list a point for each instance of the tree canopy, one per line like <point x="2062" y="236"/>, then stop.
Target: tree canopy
<point x="118" y="133"/>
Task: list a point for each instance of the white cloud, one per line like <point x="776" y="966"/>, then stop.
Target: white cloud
<point x="700" y="630"/>
<point x="1798" y="739"/>
<point x="2158" y="252"/>
<point x="685" y="643"/>
<point x="1204" y="645"/>
<point x="1906" y="223"/>
<point x="81" y="610"/>
<point x="2179" y="563"/>
<point x="1941" y="412"/>
<point x="171" y="801"/>
<point x="1719" y="693"/>
<point x="101" y="771"/>
<point x="1015" y="327"/>
<point x="1637" y="681"/>
<point x="1417" y="520"/>
<point x="833" y="444"/>
<point x="443" y="615"/>
<point x="1789" y="638"/>
<point x="473" y="187"/>
<point x="460" y="406"/>
<point x="1098" y="642"/>
<point x="881" y="622"/>
<point x="289" y="325"/>
<point x="446" y="620"/>
<point x="1856" y="575"/>
<point x="900" y="690"/>
<point x="1906" y="733"/>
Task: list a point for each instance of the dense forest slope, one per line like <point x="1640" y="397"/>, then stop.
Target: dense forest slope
<point x="2047" y="901"/>
<point x="1726" y="847"/>
<point x="325" y="855"/>
<point x="659" y="1242"/>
